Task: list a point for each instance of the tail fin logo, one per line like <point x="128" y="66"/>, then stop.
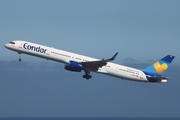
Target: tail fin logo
<point x="160" y="67"/>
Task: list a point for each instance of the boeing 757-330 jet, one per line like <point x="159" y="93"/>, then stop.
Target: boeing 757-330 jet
<point x="77" y="63"/>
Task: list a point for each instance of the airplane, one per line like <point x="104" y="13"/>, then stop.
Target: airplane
<point x="77" y="63"/>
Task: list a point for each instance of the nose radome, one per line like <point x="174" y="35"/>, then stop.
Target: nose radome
<point x="6" y="45"/>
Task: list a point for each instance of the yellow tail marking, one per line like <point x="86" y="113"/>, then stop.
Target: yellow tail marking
<point x="160" y="67"/>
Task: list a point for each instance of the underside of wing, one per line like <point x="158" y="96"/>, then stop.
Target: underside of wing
<point x="95" y="65"/>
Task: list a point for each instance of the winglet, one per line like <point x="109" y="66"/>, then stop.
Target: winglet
<point x="113" y="57"/>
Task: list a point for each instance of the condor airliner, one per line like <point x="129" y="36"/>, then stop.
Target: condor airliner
<point x="77" y="63"/>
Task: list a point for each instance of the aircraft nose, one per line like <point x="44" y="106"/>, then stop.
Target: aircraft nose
<point x="6" y="45"/>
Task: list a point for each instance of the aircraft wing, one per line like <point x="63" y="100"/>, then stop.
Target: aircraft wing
<point x="95" y="65"/>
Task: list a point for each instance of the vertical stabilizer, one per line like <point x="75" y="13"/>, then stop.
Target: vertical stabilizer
<point x="158" y="68"/>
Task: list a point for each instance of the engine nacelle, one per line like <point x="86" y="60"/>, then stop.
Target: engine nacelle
<point x="73" y="66"/>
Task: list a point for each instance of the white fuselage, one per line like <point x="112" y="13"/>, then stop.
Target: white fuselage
<point x="61" y="56"/>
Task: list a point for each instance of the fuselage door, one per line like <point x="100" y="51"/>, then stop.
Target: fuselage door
<point x="48" y="52"/>
<point x="21" y="45"/>
<point x="140" y="75"/>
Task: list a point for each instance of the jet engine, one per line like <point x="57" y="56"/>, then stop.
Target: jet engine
<point x="73" y="66"/>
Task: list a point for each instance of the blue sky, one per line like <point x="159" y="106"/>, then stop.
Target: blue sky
<point x="142" y="30"/>
<point x="137" y="29"/>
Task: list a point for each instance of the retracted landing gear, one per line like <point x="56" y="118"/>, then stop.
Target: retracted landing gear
<point x="87" y="75"/>
<point x="20" y="55"/>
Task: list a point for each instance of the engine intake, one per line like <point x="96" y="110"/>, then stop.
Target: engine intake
<point x="73" y="66"/>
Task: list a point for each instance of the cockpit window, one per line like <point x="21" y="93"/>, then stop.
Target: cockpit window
<point x="12" y="42"/>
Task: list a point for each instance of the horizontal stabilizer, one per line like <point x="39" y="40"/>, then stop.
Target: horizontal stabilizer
<point x="157" y="79"/>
